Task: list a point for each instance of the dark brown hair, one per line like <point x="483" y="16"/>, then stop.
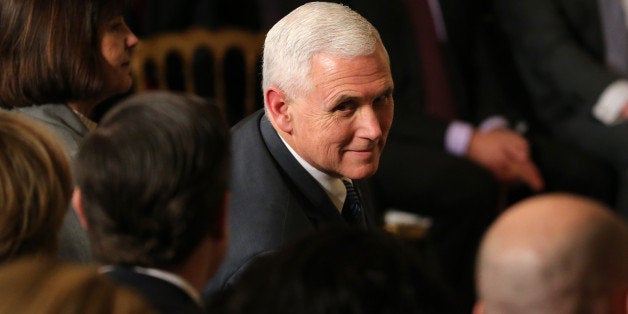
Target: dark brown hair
<point x="337" y="269"/>
<point x="153" y="178"/>
<point x="49" y="50"/>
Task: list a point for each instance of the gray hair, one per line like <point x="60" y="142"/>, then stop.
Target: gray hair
<point x="310" y="29"/>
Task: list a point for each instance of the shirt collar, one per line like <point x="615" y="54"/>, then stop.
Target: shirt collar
<point x="165" y="276"/>
<point x="333" y="186"/>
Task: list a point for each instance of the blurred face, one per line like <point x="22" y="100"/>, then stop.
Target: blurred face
<point x="340" y="126"/>
<point x="116" y="43"/>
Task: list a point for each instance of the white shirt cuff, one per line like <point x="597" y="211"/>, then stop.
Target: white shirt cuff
<point x="457" y="137"/>
<point x="611" y="102"/>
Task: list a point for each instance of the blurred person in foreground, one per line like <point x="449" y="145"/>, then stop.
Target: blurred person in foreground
<point x="152" y="193"/>
<point x="51" y="287"/>
<point x="554" y="253"/>
<point x="35" y="188"/>
<point x="338" y="270"/>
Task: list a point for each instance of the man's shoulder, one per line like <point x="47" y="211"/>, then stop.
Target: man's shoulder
<point x="163" y="295"/>
<point x="250" y="124"/>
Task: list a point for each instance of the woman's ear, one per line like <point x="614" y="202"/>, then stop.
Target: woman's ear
<point x="278" y="109"/>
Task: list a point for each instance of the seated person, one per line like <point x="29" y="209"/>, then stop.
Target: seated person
<point x="555" y="253"/>
<point x="572" y="59"/>
<point x="338" y="270"/>
<point x="43" y="286"/>
<point x="152" y="193"/>
<point x="35" y="188"/>
<point x="299" y="164"/>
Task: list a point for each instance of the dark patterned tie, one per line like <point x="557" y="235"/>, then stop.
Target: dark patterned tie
<point x="352" y="210"/>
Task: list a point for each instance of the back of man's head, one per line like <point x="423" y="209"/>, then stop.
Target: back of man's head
<point x="152" y="179"/>
<point x="338" y="270"/>
<point x="555" y="253"/>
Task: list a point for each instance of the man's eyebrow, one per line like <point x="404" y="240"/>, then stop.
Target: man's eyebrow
<point x="343" y="98"/>
<point x="389" y="91"/>
<point x="338" y="99"/>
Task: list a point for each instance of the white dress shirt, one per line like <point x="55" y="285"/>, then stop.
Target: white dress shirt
<point x="333" y="186"/>
<point x="613" y="99"/>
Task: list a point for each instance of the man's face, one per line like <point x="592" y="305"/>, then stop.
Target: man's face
<point x="340" y="126"/>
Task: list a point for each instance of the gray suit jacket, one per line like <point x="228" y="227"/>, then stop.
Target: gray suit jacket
<point x="273" y="199"/>
<point x="63" y="122"/>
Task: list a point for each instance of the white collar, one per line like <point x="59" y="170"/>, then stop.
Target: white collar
<point x="165" y="276"/>
<point x="333" y="186"/>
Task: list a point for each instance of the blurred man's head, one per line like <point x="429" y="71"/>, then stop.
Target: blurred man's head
<point x="555" y="253"/>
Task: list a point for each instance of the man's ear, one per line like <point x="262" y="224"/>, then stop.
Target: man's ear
<point x="478" y="308"/>
<point x="77" y="205"/>
<point x="278" y="109"/>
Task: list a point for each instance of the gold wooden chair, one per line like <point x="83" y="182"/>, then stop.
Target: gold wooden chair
<point x="155" y="51"/>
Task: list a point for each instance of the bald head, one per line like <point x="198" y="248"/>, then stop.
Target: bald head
<point x="554" y="253"/>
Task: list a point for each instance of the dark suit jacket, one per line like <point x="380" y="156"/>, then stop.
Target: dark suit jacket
<point x="164" y="296"/>
<point x="559" y="47"/>
<point x="274" y="200"/>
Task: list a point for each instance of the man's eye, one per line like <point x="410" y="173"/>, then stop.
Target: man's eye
<point x="343" y="107"/>
<point x="383" y="98"/>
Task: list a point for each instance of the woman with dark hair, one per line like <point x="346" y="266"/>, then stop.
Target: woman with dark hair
<point x="59" y="60"/>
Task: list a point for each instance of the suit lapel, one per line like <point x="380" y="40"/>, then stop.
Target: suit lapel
<point x="319" y="207"/>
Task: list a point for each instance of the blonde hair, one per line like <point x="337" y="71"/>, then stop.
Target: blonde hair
<point x="36" y="285"/>
<point x="35" y="187"/>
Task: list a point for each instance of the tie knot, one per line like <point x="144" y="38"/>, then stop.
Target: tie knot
<point x="352" y="210"/>
<point x="351" y="193"/>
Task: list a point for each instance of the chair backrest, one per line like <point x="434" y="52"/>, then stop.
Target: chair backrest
<point x="152" y="65"/>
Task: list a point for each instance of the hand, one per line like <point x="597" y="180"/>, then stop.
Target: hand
<point x="623" y="115"/>
<point x="507" y="155"/>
